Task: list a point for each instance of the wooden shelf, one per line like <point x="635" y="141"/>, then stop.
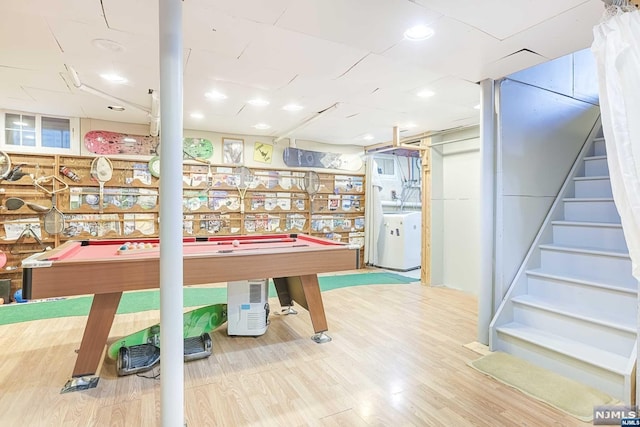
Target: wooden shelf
<point x="275" y="202"/>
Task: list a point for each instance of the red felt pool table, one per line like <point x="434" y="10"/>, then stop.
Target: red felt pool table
<point x="100" y="268"/>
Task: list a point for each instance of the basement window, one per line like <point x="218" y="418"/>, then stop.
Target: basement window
<point x="37" y="133"/>
<point x="20" y="130"/>
<point x="56" y="132"/>
<point x="386" y="166"/>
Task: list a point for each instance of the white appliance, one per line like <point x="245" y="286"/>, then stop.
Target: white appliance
<point x="401" y="242"/>
<point x="248" y="307"/>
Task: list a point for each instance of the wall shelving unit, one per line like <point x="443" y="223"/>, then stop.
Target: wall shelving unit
<point x="275" y="202"/>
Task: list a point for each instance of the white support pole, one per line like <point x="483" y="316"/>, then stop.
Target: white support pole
<point x="487" y="210"/>
<point x="171" y="251"/>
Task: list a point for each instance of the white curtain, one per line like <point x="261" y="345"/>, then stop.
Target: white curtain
<point x="616" y="47"/>
<point x="373" y="220"/>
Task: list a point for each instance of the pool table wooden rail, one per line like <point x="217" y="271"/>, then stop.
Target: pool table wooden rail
<point x="131" y="273"/>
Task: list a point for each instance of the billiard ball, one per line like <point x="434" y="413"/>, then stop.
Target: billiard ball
<point x="235" y="243"/>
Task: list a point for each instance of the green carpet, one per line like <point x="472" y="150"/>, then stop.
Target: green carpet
<point x="571" y="397"/>
<point x="132" y="302"/>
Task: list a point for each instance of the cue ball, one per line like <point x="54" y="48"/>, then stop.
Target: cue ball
<point x="235" y="243"/>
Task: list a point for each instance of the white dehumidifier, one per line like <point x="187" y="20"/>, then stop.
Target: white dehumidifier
<point x="248" y="307"/>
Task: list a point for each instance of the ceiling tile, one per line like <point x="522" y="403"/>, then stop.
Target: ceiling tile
<point x="382" y="72"/>
<point x="127" y="48"/>
<point x="499" y="18"/>
<point x="139" y="17"/>
<point x="266" y="12"/>
<point x="512" y="63"/>
<point x="371" y="25"/>
<point x="36" y="36"/>
<point x="317" y="53"/>
<point x="217" y="32"/>
<point x="318" y="94"/>
<point x="455" y="49"/>
<point x="79" y="10"/>
<point x="544" y="38"/>
<point x="216" y="67"/>
<point x="300" y="54"/>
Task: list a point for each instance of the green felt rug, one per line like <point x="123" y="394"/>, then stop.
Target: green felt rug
<point x="132" y="302"/>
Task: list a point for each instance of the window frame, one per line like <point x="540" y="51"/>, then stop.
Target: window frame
<point x="386" y="158"/>
<point x="74" y="129"/>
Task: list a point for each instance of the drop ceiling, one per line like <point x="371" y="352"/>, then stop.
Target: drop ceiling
<point x="316" y="53"/>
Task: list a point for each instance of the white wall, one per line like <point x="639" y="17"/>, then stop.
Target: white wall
<point x="455" y="202"/>
<point x="540" y="135"/>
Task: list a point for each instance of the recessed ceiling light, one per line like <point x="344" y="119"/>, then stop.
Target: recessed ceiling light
<point x="114" y="78"/>
<point x="292" y="107"/>
<point x="425" y="93"/>
<point x="214" y="94"/>
<point x="477" y="107"/>
<point x="367" y="137"/>
<point x="258" y="102"/>
<point x="418" y="33"/>
<point x="197" y="116"/>
<point x="116" y="107"/>
<point x="410" y="125"/>
<point x="261" y="126"/>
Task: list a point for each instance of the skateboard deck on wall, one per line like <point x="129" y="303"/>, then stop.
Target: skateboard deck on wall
<point x="295" y="157"/>
<point x="109" y="143"/>
<point x="196" y="322"/>
<point x="197" y="148"/>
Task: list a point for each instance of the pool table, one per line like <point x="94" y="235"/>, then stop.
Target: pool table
<point x="104" y="269"/>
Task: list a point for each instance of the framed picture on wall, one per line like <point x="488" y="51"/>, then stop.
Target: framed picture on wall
<point x="262" y="153"/>
<point x="232" y="151"/>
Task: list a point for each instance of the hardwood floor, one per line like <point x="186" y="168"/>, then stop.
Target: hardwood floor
<point x="397" y="359"/>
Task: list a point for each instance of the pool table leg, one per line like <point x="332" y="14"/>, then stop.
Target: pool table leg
<point x="305" y="290"/>
<point x="96" y="333"/>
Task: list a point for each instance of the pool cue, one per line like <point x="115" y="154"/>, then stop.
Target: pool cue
<point x="157" y="248"/>
<point x="240" y="242"/>
<point x="228" y="251"/>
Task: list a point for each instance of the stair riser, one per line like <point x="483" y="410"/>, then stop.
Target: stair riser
<point x="615" y="271"/>
<point x="575" y="297"/>
<point x="599" y="336"/>
<point x="598" y="378"/>
<point x="596" y="167"/>
<point x="570" y="294"/>
<point x="591" y="211"/>
<point x="593" y="188"/>
<point x="605" y="238"/>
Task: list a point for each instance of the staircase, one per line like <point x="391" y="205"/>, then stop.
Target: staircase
<point x="572" y="307"/>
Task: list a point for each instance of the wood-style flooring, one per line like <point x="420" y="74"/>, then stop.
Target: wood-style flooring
<point x="397" y="359"/>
